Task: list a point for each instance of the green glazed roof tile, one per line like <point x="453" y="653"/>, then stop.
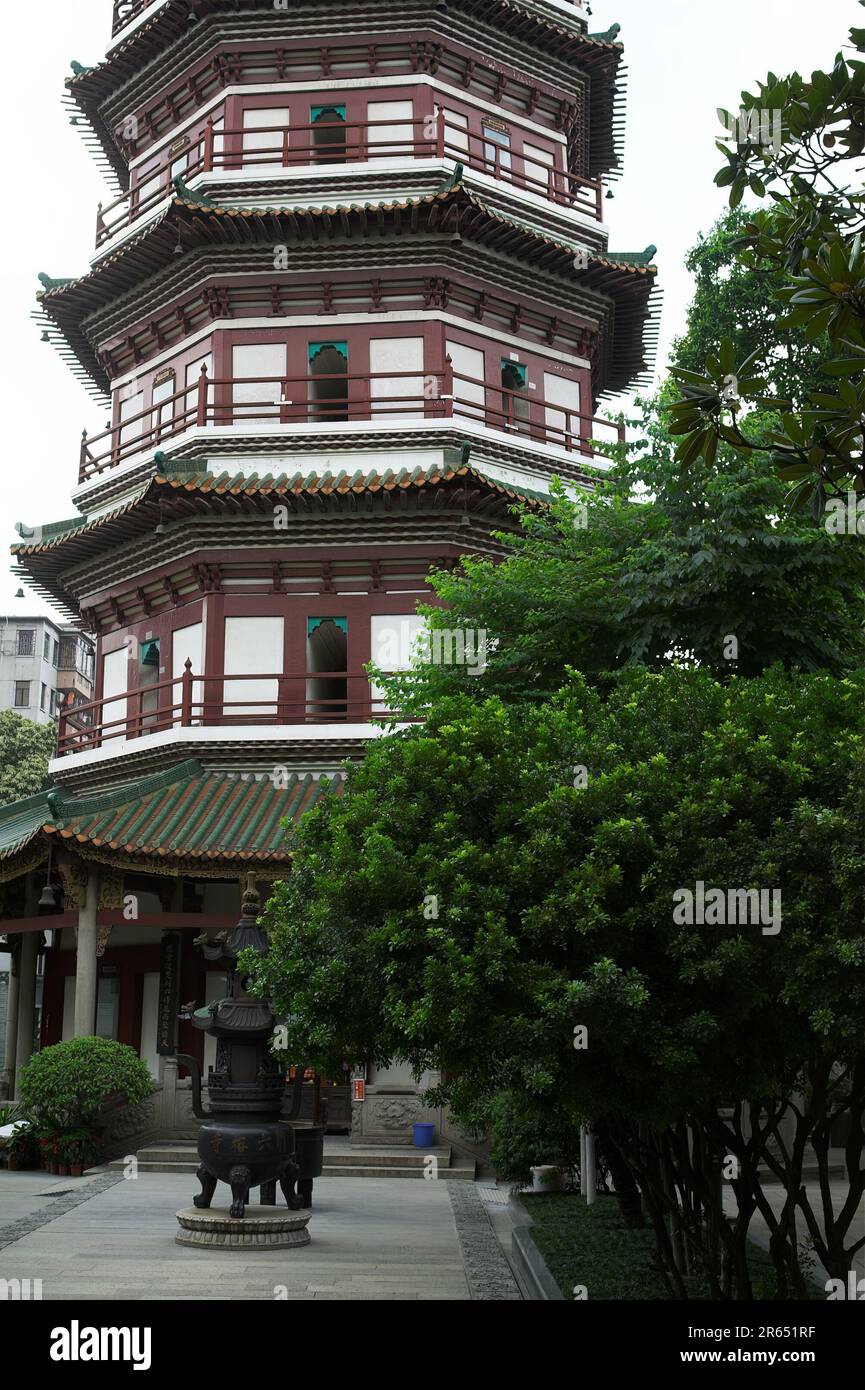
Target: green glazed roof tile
<point x="184" y="813"/>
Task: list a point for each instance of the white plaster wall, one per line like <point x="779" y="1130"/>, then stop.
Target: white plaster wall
<point x="253" y="645"/>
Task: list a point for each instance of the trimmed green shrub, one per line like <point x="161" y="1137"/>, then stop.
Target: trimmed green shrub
<point x="72" y="1083"/>
<point x="525" y="1133"/>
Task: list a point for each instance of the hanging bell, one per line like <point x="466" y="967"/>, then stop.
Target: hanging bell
<point x="48" y="898"/>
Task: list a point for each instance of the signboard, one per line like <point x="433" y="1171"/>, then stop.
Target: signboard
<point x="169" y="994"/>
<point x="358" y="1088"/>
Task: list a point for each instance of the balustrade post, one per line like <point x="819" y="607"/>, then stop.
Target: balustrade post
<point x="599" y="202"/>
<point x="82" y="457"/>
<point x="448" y="385"/>
<point x="61" y="733"/>
<point x="100" y="224"/>
<point x="201" y="410"/>
<point x="440" y="132"/>
<point x="207" y="153"/>
<point x="186" y="695"/>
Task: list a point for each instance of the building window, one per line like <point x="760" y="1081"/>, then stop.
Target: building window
<point x="164" y="389"/>
<point x="327" y="652"/>
<point x="497" y="148"/>
<point x="55" y="661"/>
<point x="22" y="694"/>
<point x="46" y="647"/>
<point x="26" y="641"/>
<point x="328" y="134"/>
<point x="328" y="386"/>
<point x="514" y="399"/>
<point x="42" y="697"/>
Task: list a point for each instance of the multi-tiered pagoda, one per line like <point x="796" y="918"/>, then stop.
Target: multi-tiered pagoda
<point x="351" y="297"/>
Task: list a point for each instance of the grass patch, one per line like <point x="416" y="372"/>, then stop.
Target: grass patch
<point x="592" y="1246"/>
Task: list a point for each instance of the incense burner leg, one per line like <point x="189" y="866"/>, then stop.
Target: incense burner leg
<point x="208" y="1187"/>
<point x="287" y="1181"/>
<point x="304" y="1191"/>
<point x="238" y="1178"/>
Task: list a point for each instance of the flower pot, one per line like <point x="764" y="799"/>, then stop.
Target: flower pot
<point x="76" y="1169"/>
<point x="547" y="1178"/>
<point x="63" y="1170"/>
<point x="12" y="1163"/>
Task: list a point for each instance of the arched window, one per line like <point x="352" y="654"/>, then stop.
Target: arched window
<point x="328" y="386"/>
<point x="515" y="401"/>
<point x="327" y="134"/>
<point x="327" y="651"/>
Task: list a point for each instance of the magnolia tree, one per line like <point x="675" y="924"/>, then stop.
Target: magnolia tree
<point x="797" y="146"/>
<point x="643" y="909"/>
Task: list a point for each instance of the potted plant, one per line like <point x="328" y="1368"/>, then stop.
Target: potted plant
<point x="22" y="1150"/>
<point x="7" y="1127"/>
<point x="78" y="1146"/>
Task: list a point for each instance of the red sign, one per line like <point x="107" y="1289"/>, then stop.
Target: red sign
<point x="358" y="1089"/>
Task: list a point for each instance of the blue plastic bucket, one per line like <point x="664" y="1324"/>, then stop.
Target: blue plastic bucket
<point x="422" y="1135"/>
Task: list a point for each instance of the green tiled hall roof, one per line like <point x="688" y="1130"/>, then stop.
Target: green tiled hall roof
<point x="184" y="813"/>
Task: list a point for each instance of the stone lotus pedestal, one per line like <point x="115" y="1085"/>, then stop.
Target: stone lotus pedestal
<point x="261" y="1228"/>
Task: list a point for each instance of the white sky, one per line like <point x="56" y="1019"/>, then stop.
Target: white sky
<point x="685" y="59"/>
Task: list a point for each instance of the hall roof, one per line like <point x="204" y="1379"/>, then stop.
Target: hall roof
<point x="183" y="815"/>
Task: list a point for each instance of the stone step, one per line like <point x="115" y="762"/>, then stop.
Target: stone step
<point x="340" y="1161"/>
<point x="346" y="1157"/>
<point x="331" y="1170"/>
<point x="375" y="1171"/>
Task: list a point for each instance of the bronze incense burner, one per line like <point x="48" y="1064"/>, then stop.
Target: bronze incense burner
<point x="246" y="1140"/>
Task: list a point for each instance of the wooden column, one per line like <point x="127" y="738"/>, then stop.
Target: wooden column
<point x="86" y="965"/>
<point x="7" y="1076"/>
<point x="27" y="955"/>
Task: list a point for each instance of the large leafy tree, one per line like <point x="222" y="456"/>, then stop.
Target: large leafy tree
<point x="25" y="750"/>
<point x="739" y="301"/>
<point x="810" y="240"/>
<point x="503" y="875"/>
<point x="650" y="569"/>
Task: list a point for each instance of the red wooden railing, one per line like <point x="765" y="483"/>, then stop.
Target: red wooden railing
<point x="295" y="146"/>
<point x="435" y="395"/>
<point x="190" y="701"/>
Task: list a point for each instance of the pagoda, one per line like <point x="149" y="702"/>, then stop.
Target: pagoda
<point x="350" y="300"/>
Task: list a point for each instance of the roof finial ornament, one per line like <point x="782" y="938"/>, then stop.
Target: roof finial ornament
<point x="610" y="35"/>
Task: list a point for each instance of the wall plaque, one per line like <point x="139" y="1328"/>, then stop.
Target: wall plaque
<point x="169" y="993"/>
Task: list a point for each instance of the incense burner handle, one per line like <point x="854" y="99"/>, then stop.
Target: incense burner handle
<point x="195" y="1073"/>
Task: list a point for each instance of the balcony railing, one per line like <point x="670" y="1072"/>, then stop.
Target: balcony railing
<point x="124" y="13"/>
<point x="219" y="701"/>
<point x="290" y="148"/>
<point x="382" y="397"/>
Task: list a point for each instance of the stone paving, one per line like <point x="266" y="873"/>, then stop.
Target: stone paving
<point x="107" y="1237"/>
<point x="776" y="1194"/>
